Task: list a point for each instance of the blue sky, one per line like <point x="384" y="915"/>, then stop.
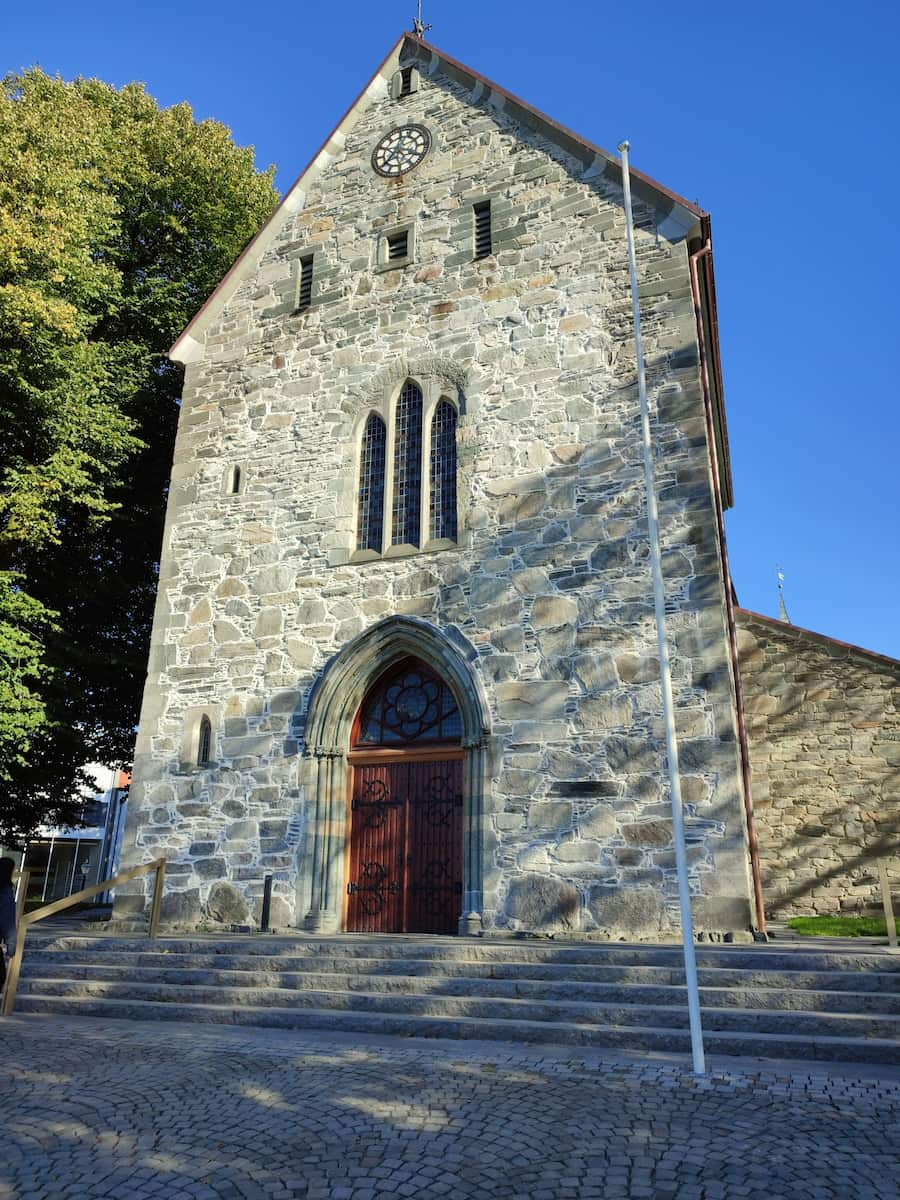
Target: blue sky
<point x="781" y="119"/>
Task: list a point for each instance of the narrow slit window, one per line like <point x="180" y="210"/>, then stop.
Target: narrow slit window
<point x="442" y="501"/>
<point x="406" y="81"/>
<point x="235" y="481"/>
<point x="204" y="742"/>
<point x="483" y="244"/>
<point x="407" y="467"/>
<point x="304" y="282"/>
<point x="397" y="245"/>
<point x="370" y="530"/>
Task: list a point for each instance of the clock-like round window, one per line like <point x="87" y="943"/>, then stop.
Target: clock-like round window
<point x="401" y="150"/>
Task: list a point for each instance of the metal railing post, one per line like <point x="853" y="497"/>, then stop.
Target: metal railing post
<point x="266" y="905"/>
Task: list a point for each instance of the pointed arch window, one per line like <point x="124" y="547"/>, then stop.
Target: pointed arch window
<point x="442" y="497"/>
<point x="406" y="494"/>
<point x="204" y="742"/>
<point x="370" y="530"/>
<point x="407" y="504"/>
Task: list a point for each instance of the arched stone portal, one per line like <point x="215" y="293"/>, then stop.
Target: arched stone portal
<point x="333" y="705"/>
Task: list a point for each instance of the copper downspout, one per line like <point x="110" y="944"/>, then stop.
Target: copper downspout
<point x="705" y="251"/>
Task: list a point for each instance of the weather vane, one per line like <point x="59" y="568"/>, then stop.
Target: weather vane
<point x="782" y="610"/>
<point x="418" y="28"/>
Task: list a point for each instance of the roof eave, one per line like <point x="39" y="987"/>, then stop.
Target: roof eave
<point x="640" y="182"/>
<point x="715" y="363"/>
<point x="800" y="631"/>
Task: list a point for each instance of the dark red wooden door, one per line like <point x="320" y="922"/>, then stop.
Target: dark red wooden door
<point x="405" y="847"/>
<point x="434" y="837"/>
<point x="377" y="834"/>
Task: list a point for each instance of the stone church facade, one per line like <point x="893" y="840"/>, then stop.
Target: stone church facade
<point x="404" y="655"/>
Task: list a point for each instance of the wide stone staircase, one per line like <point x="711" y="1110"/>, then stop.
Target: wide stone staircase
<point x="791" y="1001"/>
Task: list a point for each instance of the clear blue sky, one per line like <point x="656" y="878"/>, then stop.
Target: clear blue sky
<point x="780" y="118"/>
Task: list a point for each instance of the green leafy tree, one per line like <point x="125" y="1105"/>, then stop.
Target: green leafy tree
<point x="117" y="219"/>
<point x="22" y="709"/>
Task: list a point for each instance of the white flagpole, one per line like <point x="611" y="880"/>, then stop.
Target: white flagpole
<point x="687" y="929"/>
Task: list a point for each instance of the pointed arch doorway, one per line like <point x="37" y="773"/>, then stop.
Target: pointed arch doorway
<point x="405" y="845"/>
<point x="334" y="707"/>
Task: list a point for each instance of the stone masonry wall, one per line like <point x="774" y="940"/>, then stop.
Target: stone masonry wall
<point x="823" y="723"/>
<point x="549" y="582"/>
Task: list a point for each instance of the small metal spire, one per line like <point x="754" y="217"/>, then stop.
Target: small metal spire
<point x="418" y="28"/>
<point x="782" y="610"/>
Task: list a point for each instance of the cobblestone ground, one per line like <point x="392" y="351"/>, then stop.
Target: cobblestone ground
<point x="178" y="1112"/>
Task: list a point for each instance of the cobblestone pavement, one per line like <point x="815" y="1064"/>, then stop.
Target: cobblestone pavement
<point x="184" y="1112"/>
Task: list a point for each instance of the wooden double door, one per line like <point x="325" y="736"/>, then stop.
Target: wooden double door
<point x="405" y="869"/>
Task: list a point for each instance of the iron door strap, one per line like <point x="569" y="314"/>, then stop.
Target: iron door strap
<point x="436" y="890"/>
<point x="435" y="877"/>
<point x="372" y="888"/>
<point x="439" y="798"/>
<point x="374" y="801"/>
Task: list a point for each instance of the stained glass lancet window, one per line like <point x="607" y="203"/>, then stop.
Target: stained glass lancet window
<point x="442" y="504"/>
<point x="370" y="530"/>
<point x="407" y="467"/>
<point x="408" y="704"/>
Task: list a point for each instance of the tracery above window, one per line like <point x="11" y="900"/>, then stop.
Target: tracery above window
<point x="409" y="703"/>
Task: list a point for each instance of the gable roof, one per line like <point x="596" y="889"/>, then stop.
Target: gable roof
<point x="834" y="646"/>
<point x="679" y="216"/>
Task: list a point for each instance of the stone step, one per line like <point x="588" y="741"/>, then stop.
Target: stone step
<point x="797" y="1002"/>
<point x="674" y="1015"/>
<point x="739" y="993"/>
<point x="761" y="957"/>
<point x="39" y="960"/>
<point x="62" y="959"/>
<point x="645" y="1038"/>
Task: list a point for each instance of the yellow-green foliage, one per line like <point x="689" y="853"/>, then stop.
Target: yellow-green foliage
<point x="117" y="219"/>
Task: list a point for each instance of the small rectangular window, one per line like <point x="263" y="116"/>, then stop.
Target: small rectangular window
<point x="397" y="245"/>
<point x="406" y="81"/>
<point x="483" y="229"/>
<point x="303" y="297"/>
<point x="395" y="248"/>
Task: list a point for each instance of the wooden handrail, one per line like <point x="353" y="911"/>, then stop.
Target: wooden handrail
<point x="21" y="895"/>
<point x="890" y="923"/>
<point x="25" y="922"/>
